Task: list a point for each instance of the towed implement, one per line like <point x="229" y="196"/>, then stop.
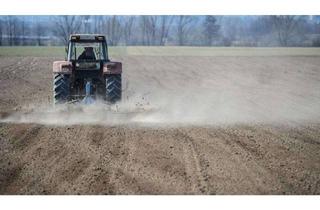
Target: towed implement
<point x="87" y="74"/>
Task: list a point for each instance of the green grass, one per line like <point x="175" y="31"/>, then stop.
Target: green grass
<point x="168" y="51"/>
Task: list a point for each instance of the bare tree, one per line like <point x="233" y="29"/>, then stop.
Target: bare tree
<point x="23" y="31"/>
<point x="165" y="25"/>
<point x="86" y="23"/>
<point x="11" y="28"/>
<point x="152" y="24"/>
<point x="143" y="26"/>
<point x="1" y="30"/>
<point x="39" y="32"/>
<point x="160" y="29"/>
<point x="184" y="25"/>
<point x="128" y="22"/>
<point x="259" y="28"/>
<point x="114" y="30"/>
<point x="232" y="28"/>
<point x="66" y="25"/>
<point x="285" y="27"/>
<point x="98" y="24"/>
<point x="211" y="29"/>
<point x="149" y="29"/>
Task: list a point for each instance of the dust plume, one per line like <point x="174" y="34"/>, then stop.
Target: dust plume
<point x="192" y="107"/>
<point x="190" y="90"/>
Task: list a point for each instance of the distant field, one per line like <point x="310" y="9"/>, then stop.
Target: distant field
<point x="167" y="51"/>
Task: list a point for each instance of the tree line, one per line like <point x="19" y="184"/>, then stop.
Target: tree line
<point x="161" y="30"/>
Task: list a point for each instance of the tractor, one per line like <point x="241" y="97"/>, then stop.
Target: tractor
<point x="87" y="74"/>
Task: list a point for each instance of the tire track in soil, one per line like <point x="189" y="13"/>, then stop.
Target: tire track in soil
<point x="70" y="160"/>
<point x="105" y="174"/>
<point x="252" y="154"/>
<point x="194" y="165"/>
<point x="303" y="150"/>
<point x="14" y="164"/>
<point x="119" y="152"/>
<point x="81" y="158"/>
<point x="26" y="138"/>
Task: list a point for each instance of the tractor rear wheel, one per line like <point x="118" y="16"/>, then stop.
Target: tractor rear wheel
<point x="61" y="88"/>
<point x="113" y="88"/>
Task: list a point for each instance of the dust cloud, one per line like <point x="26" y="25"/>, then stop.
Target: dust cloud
<point x="190" y="90"/>
<point x="191" y="107"/>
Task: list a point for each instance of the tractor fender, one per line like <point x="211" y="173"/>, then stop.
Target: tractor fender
<point x="62" y="67"/>
<point x="112" y="67"/>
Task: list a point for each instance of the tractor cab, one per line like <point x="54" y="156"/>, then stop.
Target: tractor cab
<point x="85" y="46"/>
<point x="87" y="52"/>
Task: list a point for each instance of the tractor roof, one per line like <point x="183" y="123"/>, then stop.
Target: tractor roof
<point x="87" y="37"/>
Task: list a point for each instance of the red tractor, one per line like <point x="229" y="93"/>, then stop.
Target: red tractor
<point x="87" y="74"/>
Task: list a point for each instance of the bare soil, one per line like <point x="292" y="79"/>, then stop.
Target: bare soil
<point x="227" y="125"/>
